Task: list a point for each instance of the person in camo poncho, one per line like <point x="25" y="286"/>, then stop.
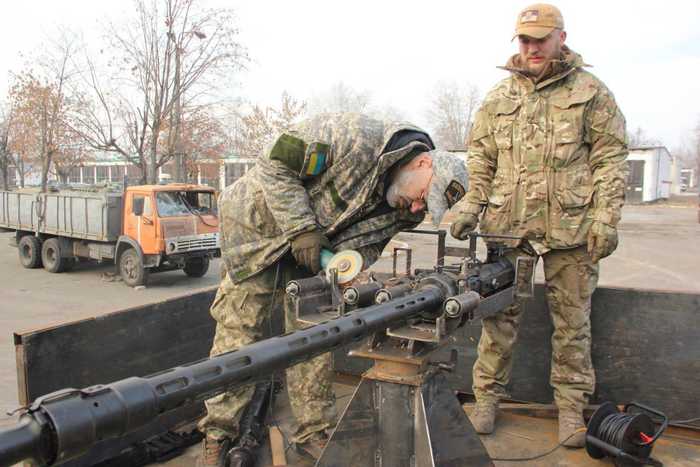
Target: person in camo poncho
<point x="341" y="181"/>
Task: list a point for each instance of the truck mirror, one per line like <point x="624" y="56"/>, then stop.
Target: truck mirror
<point x="137" y="206"/>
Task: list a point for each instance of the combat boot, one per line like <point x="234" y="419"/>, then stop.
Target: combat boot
<point x="483" y="417"/>
<point x="213" y="451"/>
<point x="313" y="447"/>
<point x="572" y="430"/>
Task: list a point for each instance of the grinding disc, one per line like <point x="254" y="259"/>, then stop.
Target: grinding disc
<point x="348" y="263"/>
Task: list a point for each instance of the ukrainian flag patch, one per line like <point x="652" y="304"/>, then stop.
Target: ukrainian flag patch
<point x="317" y="159"/>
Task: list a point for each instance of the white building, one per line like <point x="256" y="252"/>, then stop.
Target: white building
<point x="651" y="174"/>
<point x="112" y="168"/>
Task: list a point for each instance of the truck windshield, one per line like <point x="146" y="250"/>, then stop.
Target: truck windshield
<point x="182" y="203"/>
<point x="203" y="202"/>
<point x="171" y="203"/>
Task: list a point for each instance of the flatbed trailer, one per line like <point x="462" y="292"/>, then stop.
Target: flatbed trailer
<point x="646" y="348"/>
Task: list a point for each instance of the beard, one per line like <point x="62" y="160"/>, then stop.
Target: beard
<point x="398" y="187"/>
<point x="537" y="69"/>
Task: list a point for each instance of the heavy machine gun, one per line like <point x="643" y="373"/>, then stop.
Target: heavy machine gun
<point x="406" y="318"/>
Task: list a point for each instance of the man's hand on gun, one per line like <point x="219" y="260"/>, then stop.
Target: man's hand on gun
<point x="465" y="223"/>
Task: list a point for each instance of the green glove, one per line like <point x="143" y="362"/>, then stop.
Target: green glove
<point x="602" y="240"/>
<point x="306" y="249"/>
<point x="465" y="223"/>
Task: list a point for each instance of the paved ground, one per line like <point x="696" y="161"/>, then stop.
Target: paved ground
<point x="659" y="249"/>
<point x="34" y="298"/>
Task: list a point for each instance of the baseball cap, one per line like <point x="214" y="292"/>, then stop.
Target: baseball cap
<point x="449" y="184"/>
<point x="538" y="20"/>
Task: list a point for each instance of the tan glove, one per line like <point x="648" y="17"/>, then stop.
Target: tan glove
<point x="306" y="249"/>
<point x="602" y="240"/>
<point x="465" y="223"/>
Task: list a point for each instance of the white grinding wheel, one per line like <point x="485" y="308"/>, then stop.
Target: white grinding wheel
<point x="348" y="263"/>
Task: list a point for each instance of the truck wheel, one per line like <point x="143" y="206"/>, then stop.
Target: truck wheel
<point x="69" y="264"/>
<point x="131" y="269"/>
<point x="197" y="267"/>
<point x="51" y="256"/>
<point x="30" y="252"/>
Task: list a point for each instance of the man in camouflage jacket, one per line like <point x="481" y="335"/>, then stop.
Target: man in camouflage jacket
<point x="334" y="181"/>
<point x="546" y="161"/>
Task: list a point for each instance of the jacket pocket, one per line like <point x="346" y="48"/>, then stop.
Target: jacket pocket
<point x="568" y="216"/>
<point x="497" y="217"/>
<point x="573" y="188"/>
<point x="568" y="113"/>
<point x="505" y="112"/>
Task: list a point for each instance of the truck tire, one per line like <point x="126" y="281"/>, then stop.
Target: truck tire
<point x="51" y="256"/>
<point x="197" y="267"/>
<point x="69" y="264"/>
<point x="30" y="252"/>
<point x="131" y="269"/>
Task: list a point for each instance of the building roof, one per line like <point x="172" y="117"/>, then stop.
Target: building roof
<point x="648" y="148"/>
<point x="112" y="158"/>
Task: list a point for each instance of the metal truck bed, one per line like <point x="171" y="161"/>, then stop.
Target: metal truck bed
<point x="89" y="215"/>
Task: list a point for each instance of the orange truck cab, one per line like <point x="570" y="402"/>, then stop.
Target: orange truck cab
<point x="142" y="229"/>
<point x="167" y="227"/>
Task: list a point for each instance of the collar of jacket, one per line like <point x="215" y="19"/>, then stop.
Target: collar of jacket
<point x="569" y="62"/>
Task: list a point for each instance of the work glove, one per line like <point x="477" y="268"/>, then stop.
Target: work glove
<point x="602" y="240"/>
<point x="306" y="249"/>
<point x="465" y="223"/>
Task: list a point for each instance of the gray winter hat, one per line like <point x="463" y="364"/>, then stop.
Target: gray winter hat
<point x="449" y="185"/>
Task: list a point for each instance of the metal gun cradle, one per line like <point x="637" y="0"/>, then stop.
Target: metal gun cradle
<point x="403" y="412"/>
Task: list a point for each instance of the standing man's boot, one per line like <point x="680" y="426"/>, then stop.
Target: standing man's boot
<point x="572" y="430"/>
<point x="483" y="417"/>
<point x="314" y="446"/>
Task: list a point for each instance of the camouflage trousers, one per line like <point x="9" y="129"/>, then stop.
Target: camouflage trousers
<point x="245" y="313"/>
<point x="571" y="278"/>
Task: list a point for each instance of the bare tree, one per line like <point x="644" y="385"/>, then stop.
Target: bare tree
<point x="451" y="113"/>
<point x="340" y="98"/>
<point x="203" y="138"/>
<point x="260" y="125"/>
<point x="288" y="114"/>
<point x="42" y="103"/>
<point x="173" y="58"/>
<point x="6" y="161"/>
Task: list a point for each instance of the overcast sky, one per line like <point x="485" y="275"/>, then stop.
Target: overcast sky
<point x="647" y="52"/>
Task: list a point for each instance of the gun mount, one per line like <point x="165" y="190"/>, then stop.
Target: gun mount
<point x="398" y="413"/>
<point x="405" y="318"/>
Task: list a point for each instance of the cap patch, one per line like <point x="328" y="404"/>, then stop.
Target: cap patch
<point x="529" y="16"/>
<point x="454" y="192"/>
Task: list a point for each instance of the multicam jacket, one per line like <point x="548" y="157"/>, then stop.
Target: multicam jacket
<point x="547" y="159"/>
<point x="337" y="186"/>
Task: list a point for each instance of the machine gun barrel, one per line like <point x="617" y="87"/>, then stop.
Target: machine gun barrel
<point x="66" y="424"/>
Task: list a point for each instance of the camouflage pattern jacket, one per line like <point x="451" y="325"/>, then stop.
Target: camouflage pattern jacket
<point x="337" y="186"/>
<point x="547" y="159"/>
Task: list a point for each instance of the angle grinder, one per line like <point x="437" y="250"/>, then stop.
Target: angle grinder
<point x="348" y="263"/>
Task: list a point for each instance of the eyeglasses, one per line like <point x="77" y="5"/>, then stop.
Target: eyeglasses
<point x="424" y="194"/>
